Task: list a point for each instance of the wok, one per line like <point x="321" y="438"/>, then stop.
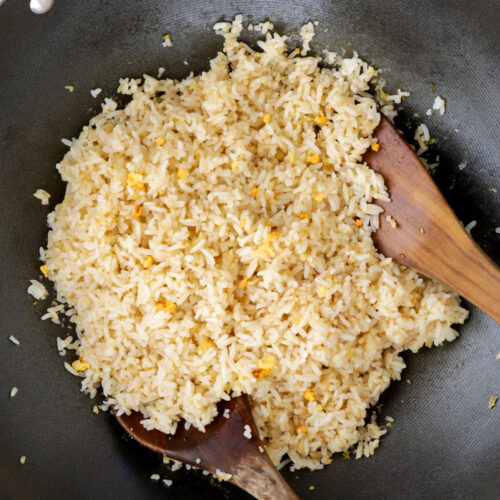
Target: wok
<point x="445" y="441"/>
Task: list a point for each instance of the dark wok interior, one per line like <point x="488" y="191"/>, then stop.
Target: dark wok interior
<point x="445" y="441"/>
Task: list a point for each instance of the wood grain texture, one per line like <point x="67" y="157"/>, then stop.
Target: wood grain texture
<point x="222" y="446"/>
<point x="428" y="236"/>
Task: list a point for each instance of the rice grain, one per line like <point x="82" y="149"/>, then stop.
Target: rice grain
<point x="319" y="300"/>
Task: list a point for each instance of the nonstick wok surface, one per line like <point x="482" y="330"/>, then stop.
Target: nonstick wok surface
<point x="445" y="442"/>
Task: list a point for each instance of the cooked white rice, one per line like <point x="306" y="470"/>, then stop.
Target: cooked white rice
<point x="439" y="104"/>
<point x="14" y="340"/>
<point x="422" y="138"/>
<point x="42" y="195"/>
<point x="37" y="290"/>
<point x="209" y="245"/>
<point x="470" y="226"/>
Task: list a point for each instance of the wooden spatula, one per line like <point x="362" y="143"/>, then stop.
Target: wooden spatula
<point x="226" y="446"/>
<point x="428" y="236"/>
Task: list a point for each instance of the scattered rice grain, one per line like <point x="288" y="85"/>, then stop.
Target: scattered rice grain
<point x="42" y="195"/>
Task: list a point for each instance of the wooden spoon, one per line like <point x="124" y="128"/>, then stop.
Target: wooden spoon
<point x="222" y="447"/>
<point x="428" y="236"/>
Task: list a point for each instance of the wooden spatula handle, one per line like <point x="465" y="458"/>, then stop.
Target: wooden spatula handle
<point x="251" y="466"/>
<point x="428" y="236"/>
<point x="229" y="445"/>
<point x="476" y="278"/>
<point x="261" y="479"/>
<point x="451" y="257"/>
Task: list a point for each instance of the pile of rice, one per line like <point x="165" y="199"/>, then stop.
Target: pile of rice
<point x="215" y="239"/>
